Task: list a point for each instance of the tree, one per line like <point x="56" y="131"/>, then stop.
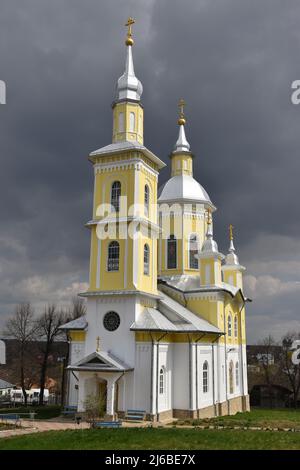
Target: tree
<point x="266" y="360"/>
<point x="76" y="310"/>
<point x="48" y="329"/>
<point x="95" y="406"/>
<point x="22" y="326"/>
<point x="290" y="369"/>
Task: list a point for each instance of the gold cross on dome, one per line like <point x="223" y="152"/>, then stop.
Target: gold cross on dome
<point x="129" y="24"/>
<point x="231" y="232"/>
<point x="181" y="106"/>
<point x="97" y="344"/>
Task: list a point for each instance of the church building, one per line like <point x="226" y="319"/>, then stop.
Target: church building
<point x="165" y="325"/>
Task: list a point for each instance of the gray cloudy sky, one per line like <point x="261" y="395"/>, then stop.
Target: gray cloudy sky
<point x="232" y="61"/>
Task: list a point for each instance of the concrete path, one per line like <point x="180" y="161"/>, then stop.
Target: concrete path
<point x="29" y="427"/>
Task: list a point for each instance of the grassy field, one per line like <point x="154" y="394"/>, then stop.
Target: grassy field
<point x="276" y="418"/>
<point x="139" y="438"/>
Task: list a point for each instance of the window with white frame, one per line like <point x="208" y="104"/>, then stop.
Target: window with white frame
<point x="193" y="252"/>
<point x="132" y="122"/>
<point x="162" y="381"/>
<point x="231" y="378"/>
<point x="146" y="259"/>
<point x="237" y="375"/>
<point x="172" y="252"/>
<point x="236" y="329"/>
<point x="115" y="195"/>
<point x="113" y="256"/>
<point x="146" y="200"/>
<point x="205" y="377"/>
<point x="121" y="122"/>
<point x="229" y="325"/>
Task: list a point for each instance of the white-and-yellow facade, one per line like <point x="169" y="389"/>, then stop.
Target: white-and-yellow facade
<point x="165" y="325"/>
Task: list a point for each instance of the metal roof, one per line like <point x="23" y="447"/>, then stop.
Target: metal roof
<point x="77" y="324"/>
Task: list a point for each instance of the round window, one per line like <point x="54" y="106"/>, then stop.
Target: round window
<point x="111" y="321"/>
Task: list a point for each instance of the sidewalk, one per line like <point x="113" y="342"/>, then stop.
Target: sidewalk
<point x="29" y="427"/>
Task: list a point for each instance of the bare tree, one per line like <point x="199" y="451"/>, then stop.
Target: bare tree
<point x="288" y="368"/>
<point x="48" y="329"/>
<point x="22" y="326"/>
<point x="266" y="360"/>
<point x="77" y="309"/>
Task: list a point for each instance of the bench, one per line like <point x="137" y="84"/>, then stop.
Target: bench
<point x="69" y="410"/>
<point x="135" y="415"/>
<point x="10" y="417"/>
<point x="107" y="424"/>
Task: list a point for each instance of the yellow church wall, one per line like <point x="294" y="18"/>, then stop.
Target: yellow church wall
<point x="181" y="164"/>
<point x="76" y="335"/>
<point x="128" y="133"/>
<point x="205" y="308"/>
<point x="185" y="226"/>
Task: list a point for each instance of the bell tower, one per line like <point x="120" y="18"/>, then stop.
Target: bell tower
<point x="124" y="227"/>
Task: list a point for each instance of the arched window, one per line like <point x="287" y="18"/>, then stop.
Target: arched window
<point x="229" y="325"/>
<point x="237" y="374"/>
<point x="236" y="329"/>
<point x="121" y="122"/>
<point x="193" y="251"/>
<point x="172" y="252"/>
<point x="115" y="195"/>
<point x="231" y="379"/>
<point x="205" y="377"/>
<point x="132" y="122"/>
<point x="146" y="199"/>
<point x="146" y="259"/>
<point x="162" y="381"/>
<point x="113" y="256"/>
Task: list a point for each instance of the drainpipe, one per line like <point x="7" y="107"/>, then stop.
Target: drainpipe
<point x="190" y="373"/>
<point x="225" y="343"/>
<point x="242" y="354"/>
<point x="197" y="385"/>
<point x="157" y="363"/>
<point x="151" y="375"/>
<point x="213" y="374"/>
<point x="116" y="382"/>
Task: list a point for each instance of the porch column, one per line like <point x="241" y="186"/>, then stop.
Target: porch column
<point x="110" y="400"/>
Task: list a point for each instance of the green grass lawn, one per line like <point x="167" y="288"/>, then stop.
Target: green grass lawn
<point x="276" y="418"/>
<point x="139" y="438"/>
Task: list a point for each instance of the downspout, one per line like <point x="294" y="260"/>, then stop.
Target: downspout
<point x="116" y="382"/>
<point x="151" y="374"/>
<point x="157" y="363"/>
<point x="242" y="355"/>
<point x="213" y="374"/>
<point x="197" y="384"/>
<point x="225" y="343"/>
<point x="190" y="374"/>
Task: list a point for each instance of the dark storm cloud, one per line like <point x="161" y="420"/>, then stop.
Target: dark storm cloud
<point x="232" y="61"/>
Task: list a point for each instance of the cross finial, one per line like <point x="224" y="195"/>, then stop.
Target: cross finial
<point x="130" y="22"/>
<point x="98" y="344"/>
<point x="231" y="232"/>
<point x="181" y="105"/>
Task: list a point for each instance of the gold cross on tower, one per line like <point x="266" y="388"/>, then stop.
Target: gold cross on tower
<point x="129" y="40"/>
<point x="181" y="105"/>
<point x="230" y="232"/>
<point x="97" y="344"/>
